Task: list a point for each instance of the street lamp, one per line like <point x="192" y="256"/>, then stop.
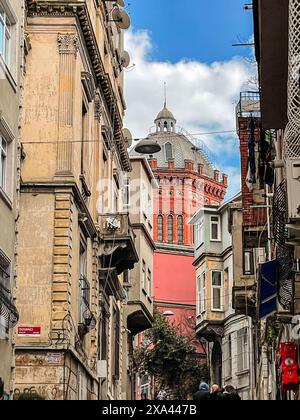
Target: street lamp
<point x="147" y="147"/>
<point x="168" y="313"/>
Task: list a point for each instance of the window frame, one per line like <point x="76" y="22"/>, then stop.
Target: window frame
<point x="6" y="40"/>
<point x="165" y="150"/>
<point x="199" y="294"/>
<point x="170" y="219"/>
<point x="204" y="288"/>
<point x="149" y="283"/>
<point x="242" y="350"/>
<point x="213" y="223"/>
<point x="219" y="288"/>
<point x="251" y="270"/>
<point x="126" y="196"/>
<point x="3" y="162"/>
<point x="160" y="233"/>
<point x="228" y="357"/>
<point x="180" y="229"/>
<point x="144" y="276"/>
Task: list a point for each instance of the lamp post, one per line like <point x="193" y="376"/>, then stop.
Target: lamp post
<point x="147" y="147"/>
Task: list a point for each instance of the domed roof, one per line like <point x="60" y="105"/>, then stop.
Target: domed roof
<point x="182" y="150"/>
<point x="165" y="114"/>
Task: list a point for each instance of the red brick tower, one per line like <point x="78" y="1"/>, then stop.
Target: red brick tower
<point x="187" y="181"/>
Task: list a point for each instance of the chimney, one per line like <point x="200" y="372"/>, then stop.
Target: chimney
<point x="153" y="163"/>
<point x="200" y="169"/>
<point x="217" y="176"/>
<point x="225" y="180"/>
<point x="171" y="164"/>
<point x="189" y="165"/>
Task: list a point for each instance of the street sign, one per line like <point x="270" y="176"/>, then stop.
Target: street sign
<point x="29" y="331"/>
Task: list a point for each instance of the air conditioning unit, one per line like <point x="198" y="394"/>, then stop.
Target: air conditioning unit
<point x="102" y="369"/>
<point x="293" y="188"/>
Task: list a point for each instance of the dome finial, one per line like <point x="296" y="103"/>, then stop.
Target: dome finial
<point x="165" y="91"/>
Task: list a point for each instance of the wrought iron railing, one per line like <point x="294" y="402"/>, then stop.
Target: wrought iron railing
<point x="284" y="254"/>
<point x="87" y="320"/>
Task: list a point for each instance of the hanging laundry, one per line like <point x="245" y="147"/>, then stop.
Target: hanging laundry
<point x="251" y="145"/>
<point x="249" y="179"/>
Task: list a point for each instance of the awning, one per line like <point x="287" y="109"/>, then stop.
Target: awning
<point x="268" y="288"/>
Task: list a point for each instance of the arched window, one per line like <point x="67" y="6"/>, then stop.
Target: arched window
<point x="168" y="151"/>
<point x="166" y="126"/>
<point x="180" y="230"/>
<point x="160" y="228"/>
<point x="170" y="229"/>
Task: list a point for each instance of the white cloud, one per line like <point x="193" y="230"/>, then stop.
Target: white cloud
<point x="201" y="96"/>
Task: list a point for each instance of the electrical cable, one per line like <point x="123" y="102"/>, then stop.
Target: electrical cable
<point x="165" y="135"/>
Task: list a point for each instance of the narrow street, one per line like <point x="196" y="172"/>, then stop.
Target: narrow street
<point x="149" y="203"/>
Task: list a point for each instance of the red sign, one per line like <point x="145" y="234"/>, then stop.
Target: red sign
<point x="29" y="331"/>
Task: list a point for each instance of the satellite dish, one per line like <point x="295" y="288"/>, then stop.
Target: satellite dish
<point x="121" y="18"/>
<point x="125" y="59"/>
<point x="127" y="136"/>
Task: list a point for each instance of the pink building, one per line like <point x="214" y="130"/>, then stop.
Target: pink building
<point x="188" y="181"/>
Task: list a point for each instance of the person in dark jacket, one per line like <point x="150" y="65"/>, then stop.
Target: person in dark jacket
<point x="203" y="394"/>
<point x="1" y="389"/>
<point x="229" y="394"/>
<point x="215" y="392"/>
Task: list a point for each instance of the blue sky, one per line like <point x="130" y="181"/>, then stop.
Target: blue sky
<point x="201" y="30"/>
<point x="189" y="45"/>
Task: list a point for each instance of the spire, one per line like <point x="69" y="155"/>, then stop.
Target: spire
<point x="165" y="92"/>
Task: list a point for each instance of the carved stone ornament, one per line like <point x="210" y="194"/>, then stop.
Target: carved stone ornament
<point x="98" y="106"/>
<point x="68" y="43"/>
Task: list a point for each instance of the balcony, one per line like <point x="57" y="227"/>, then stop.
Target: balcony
<point x="9" y="315"/>
<point x="249" y="105"/>
<point x="117" y="249"/>
<point x="210" y="328"/>
<point x="87" y="320"/>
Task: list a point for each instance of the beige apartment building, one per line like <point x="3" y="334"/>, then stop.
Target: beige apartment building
<point x="75" y="239"/>
<point x="11" y="71"/>
<point x="139" y="309"/>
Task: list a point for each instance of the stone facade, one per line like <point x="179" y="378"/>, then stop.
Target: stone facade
<point x="75" y="240"/>
<point x="11" y="80"/>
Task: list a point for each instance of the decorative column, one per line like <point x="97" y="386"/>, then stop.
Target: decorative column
<point x="68" y="48"/>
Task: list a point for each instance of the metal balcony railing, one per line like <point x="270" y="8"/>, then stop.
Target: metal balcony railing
<point x="87" y="320"/>
<point x="8" y="310"/>
<point x="285" y="255"/>
<point x="249" y="105"/>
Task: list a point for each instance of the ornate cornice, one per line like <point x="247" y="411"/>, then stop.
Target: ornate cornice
<point x="80" y="11"/>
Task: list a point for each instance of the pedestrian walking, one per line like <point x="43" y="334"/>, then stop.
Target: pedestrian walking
<point x="203" y="394"/>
